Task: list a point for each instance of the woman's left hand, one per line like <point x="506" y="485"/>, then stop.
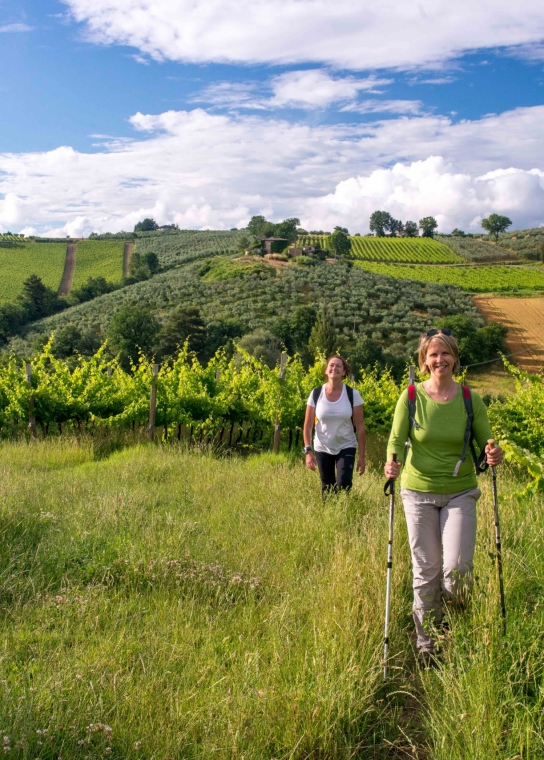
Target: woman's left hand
<point x="361" y="465"/>
<point x="494" y="454"/>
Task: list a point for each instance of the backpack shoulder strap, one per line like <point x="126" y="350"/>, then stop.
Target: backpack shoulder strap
<point x="479" y="462"/>
<point x="316" y="394"/>
<point x="412" y="395"/>
<point x="349" y="391"/>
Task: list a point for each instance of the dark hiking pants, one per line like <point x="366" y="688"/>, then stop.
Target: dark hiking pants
<point x="336" y="470"/>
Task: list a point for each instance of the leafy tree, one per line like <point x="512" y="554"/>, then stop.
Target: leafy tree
<point x="458" y="233"/>
<point x="258" y="225"/>
<point x="287" y="229"/>
<point x="69" y="340"/>
<point x="132" y="330"/>
<point x="12" y="318"/>
<point x="324" y="337"/>
<point x="396" y="227"/>
<point x="221" y="333"/>
<point x="428" y="224"/>
<point x="146" y="225"/>
<point x="495" y="224"/>
<point x="143" y="266"/>
<point x="262" y="344"/>
<point x="38" y="300"/>
<point x="184" y="323"/>
<point x="380" y="221"/>
<point x="411" y="229"/>
<point x="340" y="242"/>
<point x="366" y="354"/>
<point x="301" y="323"/>
<point x="93" y="287"/>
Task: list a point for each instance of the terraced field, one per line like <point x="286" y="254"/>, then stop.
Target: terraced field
<point x="476" y="279"/>
<point x="20" y="258"/>
<point x="404" y="250"/>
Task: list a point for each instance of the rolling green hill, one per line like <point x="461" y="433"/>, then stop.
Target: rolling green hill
<point x="408" y="250"/>
<point x="19" y="259"/>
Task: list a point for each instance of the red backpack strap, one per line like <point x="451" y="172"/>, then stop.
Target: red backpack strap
<point x="411" y="411"/>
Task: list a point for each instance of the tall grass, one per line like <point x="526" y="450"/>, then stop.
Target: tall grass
<point x="168" y="603"/>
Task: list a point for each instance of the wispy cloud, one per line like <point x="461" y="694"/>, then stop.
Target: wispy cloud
<point x="385" y="106"/>
<point x="308" y="89"/>
<point x="7" y="28"/>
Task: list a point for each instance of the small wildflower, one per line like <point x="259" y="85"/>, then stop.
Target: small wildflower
<point x="107" y="751"/>
<point x="137" y="745"/>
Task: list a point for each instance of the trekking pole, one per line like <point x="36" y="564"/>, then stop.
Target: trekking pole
<point x="498" y="539"/>
<point x="389" y="490"/>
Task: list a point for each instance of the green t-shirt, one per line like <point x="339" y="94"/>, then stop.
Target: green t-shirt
<point x="437" y="444"/>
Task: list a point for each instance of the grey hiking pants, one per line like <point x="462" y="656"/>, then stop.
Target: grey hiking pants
<point x="442" y="535"/>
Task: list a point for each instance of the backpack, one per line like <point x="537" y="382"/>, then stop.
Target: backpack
<point x="479" y="461"/>
<point x="316" y="395"/>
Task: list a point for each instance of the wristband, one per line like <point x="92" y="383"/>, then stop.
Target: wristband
<point x="307" y="450"/>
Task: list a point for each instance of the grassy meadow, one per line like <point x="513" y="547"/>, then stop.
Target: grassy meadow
<point x="159" y="602"/>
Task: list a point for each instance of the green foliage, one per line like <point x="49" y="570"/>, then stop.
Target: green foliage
<point x="340" y="242"/>
<point x="146" y="225"/>
<point x="409" y="250"/>
<point x="380" y="221"/>
<point x="37" y="300"/>
<point x="428" y="225"/>
<point x="324" y="339"/>
<point x="478" y="279"/>
<point x="175" y="247"/>
<point x="143" y="266"/>
<point x="220" y="269"/>
<point x="495" y="224"/>
<point x="132" y="331"/>
<point x="98" y="258"/>
<point x="475" y="344"/>
<point x="474" y="249"/>
<point x="411" y="229"/>
<point x="22" y="258"/>
<point x="94" y="287"/>
<point x="263" y="345"/>
<point x="182" y="325"/>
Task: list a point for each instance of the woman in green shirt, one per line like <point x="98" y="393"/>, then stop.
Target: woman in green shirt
<point x="438" y="492"/>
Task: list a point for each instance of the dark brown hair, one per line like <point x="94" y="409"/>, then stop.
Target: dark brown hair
<point x="347" y="368"/>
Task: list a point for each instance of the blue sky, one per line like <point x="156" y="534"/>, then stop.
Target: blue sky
<point x="207" y="113"/>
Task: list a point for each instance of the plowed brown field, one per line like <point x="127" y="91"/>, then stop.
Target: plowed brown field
<point x="524" y="318"/>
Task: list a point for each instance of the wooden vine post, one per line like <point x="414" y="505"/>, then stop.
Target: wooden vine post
<point x="283" y="363"/>
<point x="31" y="415"/>
<point x="153" y="403"/>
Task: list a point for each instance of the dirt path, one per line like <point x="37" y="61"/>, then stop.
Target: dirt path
<point x="127" y="255"/>
<point x="69" y="268"/>
<point x="524" y="318"/>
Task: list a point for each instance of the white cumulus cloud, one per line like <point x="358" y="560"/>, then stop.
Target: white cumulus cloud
<point x="368" y="34"/>
<point x="208" y="170"/>
<point x="432" y="187"/>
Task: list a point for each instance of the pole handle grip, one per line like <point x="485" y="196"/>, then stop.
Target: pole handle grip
<point x="491" y="443"/>
<point x="393" y="457"/>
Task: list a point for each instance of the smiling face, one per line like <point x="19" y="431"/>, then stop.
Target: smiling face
<point x="439" y="359"/>
<point x="334" y="368"/>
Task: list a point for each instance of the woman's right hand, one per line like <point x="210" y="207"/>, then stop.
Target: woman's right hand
<point x="392" y="470"/>
<point x="310" y="461"/>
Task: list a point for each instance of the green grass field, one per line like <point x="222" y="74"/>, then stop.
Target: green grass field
<point x="477" y="279"/>
<point x="18" y="260"/>
<point x="169" y="604"/>
<point x="98" y="258"/>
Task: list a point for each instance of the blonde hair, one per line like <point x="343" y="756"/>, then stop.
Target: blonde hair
<point x="447" y="340"/>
